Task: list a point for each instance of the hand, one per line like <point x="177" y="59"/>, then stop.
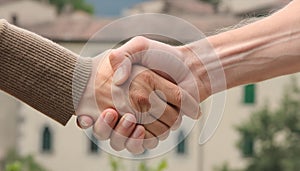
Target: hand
<point x="155" y="125"/>
<point x="177" y="64"/>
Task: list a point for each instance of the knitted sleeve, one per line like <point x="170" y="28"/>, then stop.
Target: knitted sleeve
<point x="41" y="73"/>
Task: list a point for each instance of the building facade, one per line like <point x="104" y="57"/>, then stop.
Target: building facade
<point x="61" y="148"/>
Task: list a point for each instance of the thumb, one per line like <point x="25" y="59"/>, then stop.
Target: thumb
<point x="121" y="65"/>
<point x="122" y="58"/>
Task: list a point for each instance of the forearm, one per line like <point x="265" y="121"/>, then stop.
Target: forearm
<point x="259" y="51"/>
<point x="40" y="72"/>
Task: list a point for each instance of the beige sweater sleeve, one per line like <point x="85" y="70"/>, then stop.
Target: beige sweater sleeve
<point x="40" y="73"/>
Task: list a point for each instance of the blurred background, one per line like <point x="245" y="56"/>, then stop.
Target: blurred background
<point x="260" y="129"/>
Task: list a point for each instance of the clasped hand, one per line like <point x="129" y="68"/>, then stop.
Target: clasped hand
<point x="141" y="103"/>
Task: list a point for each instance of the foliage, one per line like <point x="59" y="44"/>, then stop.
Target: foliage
<point x="15" y="162"/>
<point x="116" y="165"/>
<point x="80" y="5"/>
<point x="15" y="166"/>
<point x="224" y="167"/>
<point x="163" y="165"/>
<point x="275" y="135"/>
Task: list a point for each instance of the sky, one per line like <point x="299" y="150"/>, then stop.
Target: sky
<point x="109" y="8"/>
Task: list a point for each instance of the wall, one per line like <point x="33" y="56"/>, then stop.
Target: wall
<point x="28" y="12"/>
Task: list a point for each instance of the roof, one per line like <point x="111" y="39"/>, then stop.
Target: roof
<point x="239" y="7"/>
<point x="190" y="6"/>
<point x="174" y="7"/>
<point x="81" y="27"/>
<point x="76" y="27"/>
<point x="6" y="1"/>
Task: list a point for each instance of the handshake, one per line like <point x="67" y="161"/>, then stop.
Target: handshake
<point x="142" y="90"/>
<point x="136" y="94"/>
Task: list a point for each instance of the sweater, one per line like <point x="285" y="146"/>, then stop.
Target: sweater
<point x="41" y="73"/>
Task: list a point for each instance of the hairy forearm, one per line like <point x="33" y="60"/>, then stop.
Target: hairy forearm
<point x="259" y="51"/>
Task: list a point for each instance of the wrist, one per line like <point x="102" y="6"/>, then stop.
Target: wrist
<point x="87" y="104"/>
<point x="191" y="58"/>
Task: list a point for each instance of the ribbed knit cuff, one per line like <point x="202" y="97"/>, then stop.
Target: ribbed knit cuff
<point x="41" y="73"/>
<point x="81" y="76"/>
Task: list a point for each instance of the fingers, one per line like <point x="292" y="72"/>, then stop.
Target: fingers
<point x="162" y="111"/>
<point x="178" y="97"/>
<point x="150" y="141"/>
<point x="157" y="128"/>
<point x="189" y="106"/>
<point x="139" y="140"/>
<point x="107" y="126"/>
<point x="134" y="144"/>
<point x="105" y="123"/>
<point x="122" y="131"/>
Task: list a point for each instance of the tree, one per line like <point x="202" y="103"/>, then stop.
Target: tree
<point x="214" y="3"/>
<point x="116" y="165"/>
<point x="80" y="5"/>
<point x="270" y="139"/>
<point x="163" y="165"/>
<point x="15" y="162"/>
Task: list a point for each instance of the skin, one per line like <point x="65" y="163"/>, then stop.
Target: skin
<point x="127" y="132"/>
<point x="262" y="50"/>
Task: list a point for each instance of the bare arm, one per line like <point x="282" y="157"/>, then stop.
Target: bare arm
<point x="256" y="52"/>
<point x="259" y="51"/>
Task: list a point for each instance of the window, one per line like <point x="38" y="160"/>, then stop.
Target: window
<point x="181" y="147"/>
<point x="46" y="140"/>
<point x="93" y="148"/>
<point x="249" y="94"/>
<point x="247" y="145"/>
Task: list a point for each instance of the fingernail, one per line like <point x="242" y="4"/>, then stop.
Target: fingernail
<point x="119" y="75"/>
<point x="82" y="122"/>
<point x="137" y="133"/>
<point x="109" y="117"/>
<point x="128" y="121"/>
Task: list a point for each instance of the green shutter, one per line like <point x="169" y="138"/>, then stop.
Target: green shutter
<point x="181" y="149"/>
<point x="247" y="145"/>
<point x="94" y="145"/>
<point x="249" y="94"/>
<point x="46" y="140"/>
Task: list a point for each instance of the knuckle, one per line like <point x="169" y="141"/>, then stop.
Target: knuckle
<point x="141" y="42"/>
<point x="177" y="95"/>
<point x="141" y="99"/>
<point x="144" y="106"/>
<point x="115" y="58"/>
<point x="147" y="77"/>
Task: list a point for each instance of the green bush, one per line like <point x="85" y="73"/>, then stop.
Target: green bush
<point x="15" y="162"/>
<point x="270" y="138"/>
